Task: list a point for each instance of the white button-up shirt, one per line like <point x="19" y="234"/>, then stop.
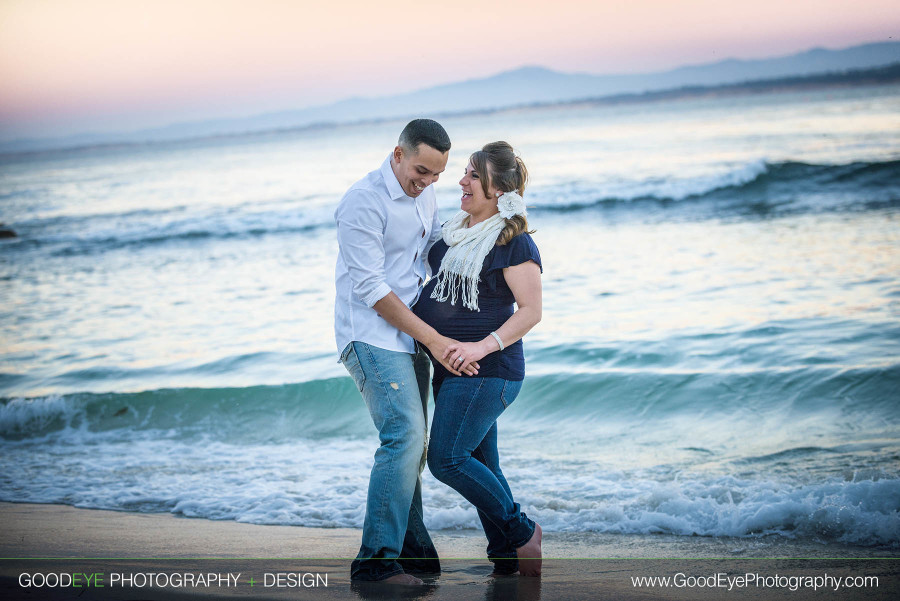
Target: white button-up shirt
<point x="383" y="239"/>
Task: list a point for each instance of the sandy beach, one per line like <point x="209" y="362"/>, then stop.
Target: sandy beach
<point x="162" y="556"/>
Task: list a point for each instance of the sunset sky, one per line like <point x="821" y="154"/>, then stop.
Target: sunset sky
<point x="101" y="65"/>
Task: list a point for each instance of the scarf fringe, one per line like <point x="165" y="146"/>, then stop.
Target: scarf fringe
<point x="460" y="270"/>
<point x="452" y="285"/>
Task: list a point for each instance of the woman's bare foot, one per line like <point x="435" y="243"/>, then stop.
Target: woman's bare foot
<point x="530" y="554"/>
<point x="403" y="579"/>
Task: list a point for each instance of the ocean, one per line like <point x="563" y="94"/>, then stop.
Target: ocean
<point x="719" y="354"/>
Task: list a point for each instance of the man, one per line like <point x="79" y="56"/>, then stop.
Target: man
<point x="386" y="223"/>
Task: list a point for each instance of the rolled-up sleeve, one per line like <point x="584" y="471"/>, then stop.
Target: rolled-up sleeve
<point x="360" y="232"/>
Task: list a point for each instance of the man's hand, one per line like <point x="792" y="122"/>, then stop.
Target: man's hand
<point x="464" y="355"/>
<point x="440" y="350"/>
<point x="392" y="309"/>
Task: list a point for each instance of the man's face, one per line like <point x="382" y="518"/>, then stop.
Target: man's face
<point x="417" y="170"/>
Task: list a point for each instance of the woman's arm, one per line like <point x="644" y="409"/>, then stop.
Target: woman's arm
<point x="525" y="282"/>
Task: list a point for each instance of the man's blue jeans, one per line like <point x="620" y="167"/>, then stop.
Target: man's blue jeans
<point x="463" y="454"/>
<point x="394" y="386"/>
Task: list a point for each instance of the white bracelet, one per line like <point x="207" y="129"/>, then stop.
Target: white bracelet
<point x="497" y="338"/>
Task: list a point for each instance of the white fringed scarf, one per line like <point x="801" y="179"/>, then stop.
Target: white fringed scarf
<point x="461" y="266"/>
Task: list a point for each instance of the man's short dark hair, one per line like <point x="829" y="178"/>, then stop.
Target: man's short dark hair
<point x="424" y="131"/>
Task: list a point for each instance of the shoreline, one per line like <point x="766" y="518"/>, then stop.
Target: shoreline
<point x="58" y="540"/>
<point x="34" y="530"/>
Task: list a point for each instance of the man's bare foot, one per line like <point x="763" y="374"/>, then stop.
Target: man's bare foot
<point x="403" y="579"/>
<point x="530" y="554"/>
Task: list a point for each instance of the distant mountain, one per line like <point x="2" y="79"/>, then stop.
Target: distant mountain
<point x="523" y="86"/>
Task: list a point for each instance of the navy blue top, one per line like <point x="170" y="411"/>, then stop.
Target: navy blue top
<point x="495" y="303"/>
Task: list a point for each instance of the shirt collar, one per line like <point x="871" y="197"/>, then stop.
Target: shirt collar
<point x="393" y="186"/>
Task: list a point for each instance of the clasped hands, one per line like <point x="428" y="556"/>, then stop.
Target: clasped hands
<point x="460" y="358"/>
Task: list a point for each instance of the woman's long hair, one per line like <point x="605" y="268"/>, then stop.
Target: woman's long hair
<point x="506" y="172"/>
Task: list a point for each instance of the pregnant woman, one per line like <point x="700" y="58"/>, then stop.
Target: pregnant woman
<point x="487" y="295"/>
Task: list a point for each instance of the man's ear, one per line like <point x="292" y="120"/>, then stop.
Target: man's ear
<point x="398" y="153"/>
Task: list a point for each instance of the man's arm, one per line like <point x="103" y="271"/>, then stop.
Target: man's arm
<point x="396" y="313"/>
<point x="360" y="227"/>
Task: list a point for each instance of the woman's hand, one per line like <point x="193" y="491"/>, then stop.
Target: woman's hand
<point x="464" y="356"/>
<point x="440" y="348"/>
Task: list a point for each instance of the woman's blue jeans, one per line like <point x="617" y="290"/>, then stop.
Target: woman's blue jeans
<point x="463" y="454"/>
<point x="394" y="386"/>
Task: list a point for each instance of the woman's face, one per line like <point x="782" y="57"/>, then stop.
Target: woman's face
<point x="473" y="201"/>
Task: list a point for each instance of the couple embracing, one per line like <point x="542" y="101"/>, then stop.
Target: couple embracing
<point x="390" y="330"/>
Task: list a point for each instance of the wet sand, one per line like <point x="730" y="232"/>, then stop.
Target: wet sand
<point x="55" y="539"/>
